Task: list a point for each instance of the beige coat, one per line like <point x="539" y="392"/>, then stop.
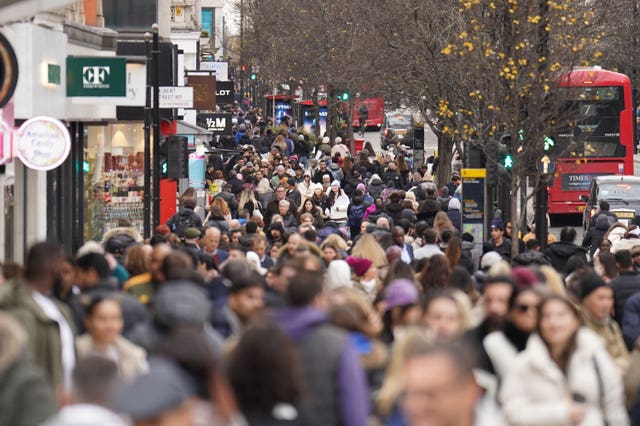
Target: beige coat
<point x="536" y="391"/>
<point x="132" y="359"/>
<point x="612" y="338"/>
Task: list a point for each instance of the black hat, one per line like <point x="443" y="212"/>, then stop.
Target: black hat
<point x="590" y="283"/>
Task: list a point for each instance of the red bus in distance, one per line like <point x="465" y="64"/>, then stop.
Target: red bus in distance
<point x="601" y="140"/>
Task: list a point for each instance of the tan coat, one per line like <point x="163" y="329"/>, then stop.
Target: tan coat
<point x="610" y="332"/>
<point x="132" y="359"/>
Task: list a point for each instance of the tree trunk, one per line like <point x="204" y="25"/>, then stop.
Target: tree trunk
<point x="445" y="155"/>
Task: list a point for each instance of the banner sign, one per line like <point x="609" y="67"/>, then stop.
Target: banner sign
<point x="43" y="143"/>
<point x="204" y="91"/>
<point x="579" y="181"/>
<point x="218" y="124"/>
<point x="224" y="92"/>
<point x="96" y="76"/>
<point x="221" y="69"/>
<point x="176" y="97"/>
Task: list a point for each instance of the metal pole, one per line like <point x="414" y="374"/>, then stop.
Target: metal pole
<point x="147" y="142"/>
<point x="541" y="211"/>
<point x="155" y="53"/>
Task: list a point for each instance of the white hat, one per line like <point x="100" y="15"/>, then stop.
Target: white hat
<point x="338" y="140"/>
<point x="489" y="259"/>
<point x="326" y="139"/>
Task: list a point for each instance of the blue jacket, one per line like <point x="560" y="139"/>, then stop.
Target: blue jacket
<point x="631" y="320"/>
<point x="352" y="396"/>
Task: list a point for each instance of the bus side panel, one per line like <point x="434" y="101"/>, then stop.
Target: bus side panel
<point x="571" y="180"/>
<point x="376" y="111"/>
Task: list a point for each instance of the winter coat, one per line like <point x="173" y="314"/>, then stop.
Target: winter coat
<point x="26" y="399"/>
<point x="183" y="219"/>
<point x="334" y="380"/>
<point x="219" y="222"/>
<point x="631" y="321"/>
<point x="131" y="359"/>
<point x="544" y="399"/>
<point x="45" y="344"/>
<point x="625" y="285"/>
<point x="595" y="234"/>
<point x="428" y="209"/>
<point x="394" y="211"/>
<point x="503" y="348"/>
<point x="470" y="256"/>
<point x="356" y="212"/>
<point x="85" y="414"/>
<point x="338" y="211"/>
<point x="560" y="252"/>
<point x="453" y="212"/>
<point x="376" y="187"/>
<point x="611" y="336"/>
<point x="624" y="244"/>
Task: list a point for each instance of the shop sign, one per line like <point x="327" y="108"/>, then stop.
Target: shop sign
<point x="218" y="124"/>
<point x="204" y="91"/>
<point x="473" y="194"/>
<point x="224" y="92"/>
<point x="8" y="71"/>
<point x="43" y="143"/>
<point x="96" y="76"/>
<point x="221" y="69"/>
<point x="176" y="97"/>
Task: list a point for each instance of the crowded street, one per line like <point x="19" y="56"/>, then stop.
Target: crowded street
<point x="203" y="223"/>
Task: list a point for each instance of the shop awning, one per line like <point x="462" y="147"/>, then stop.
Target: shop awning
<point x="186" y="128"/>
<point x="13" y="10"/>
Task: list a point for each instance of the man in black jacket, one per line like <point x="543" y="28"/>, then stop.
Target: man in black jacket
<point x="560" y="252"/>
<point x="626" y="284"/>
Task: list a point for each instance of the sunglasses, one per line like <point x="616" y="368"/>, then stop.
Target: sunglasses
<point x="526" y="308"/>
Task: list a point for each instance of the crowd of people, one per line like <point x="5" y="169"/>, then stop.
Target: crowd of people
<point x="321" y="289"/>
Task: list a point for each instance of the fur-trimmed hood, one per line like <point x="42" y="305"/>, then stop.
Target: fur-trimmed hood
<point x="131" y="232"/>
<point x="13" y="341"/>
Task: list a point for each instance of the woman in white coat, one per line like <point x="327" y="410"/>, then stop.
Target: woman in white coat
<point x="564" y="376"/>
<point x="337" y="203"/>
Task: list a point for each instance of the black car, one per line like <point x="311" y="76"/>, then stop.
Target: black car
<point x="397" y="127"/>
<point x="621" y="192"/>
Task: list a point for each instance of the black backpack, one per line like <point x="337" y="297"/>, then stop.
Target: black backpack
<point x="182" y="224"/>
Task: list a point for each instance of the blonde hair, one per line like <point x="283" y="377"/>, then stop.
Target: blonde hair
<point x="553" y="280"/>
<point x="336" y="241"/>
<point x="367" y="246"/>
<point x="246" y="196"/>
<point x="442" y="222"/>
<point x="500" y="268"/>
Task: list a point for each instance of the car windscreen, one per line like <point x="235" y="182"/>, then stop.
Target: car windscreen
<point x="623" y="191"/>
<point x="399" y="120"/>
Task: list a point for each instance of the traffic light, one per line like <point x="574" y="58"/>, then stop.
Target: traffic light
<point x="243" y="68"/>
<point x="505" y="152"/>
<point x="177" y="165"/>
<point x="253" y="76"/>
<point x="507" y="161"/>
<point x="549" y="143"/>
<point x="162" y="157"/>
<point x="344" y="96"/>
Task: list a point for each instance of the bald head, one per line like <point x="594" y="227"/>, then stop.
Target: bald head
<point x="382" y="222"/>
<point x="211" y="239"/>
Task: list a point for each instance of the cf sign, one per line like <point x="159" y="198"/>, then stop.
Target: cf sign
<point x="95" y="77"/>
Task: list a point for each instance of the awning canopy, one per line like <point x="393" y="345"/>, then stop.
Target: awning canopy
<point x="186" y="128"/>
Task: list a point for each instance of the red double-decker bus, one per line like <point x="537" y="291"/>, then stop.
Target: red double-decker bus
<point x="600" y="139"/>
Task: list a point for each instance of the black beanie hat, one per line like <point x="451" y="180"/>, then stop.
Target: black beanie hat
<point x="590" y="283"/>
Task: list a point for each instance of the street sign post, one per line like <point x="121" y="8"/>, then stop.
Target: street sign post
<point x="473" y="200"/>
<point x="176" y="97"/>
<point x="546" y="165"/>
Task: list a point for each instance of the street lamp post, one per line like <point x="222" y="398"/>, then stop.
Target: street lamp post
<point x="147" y="143"/>
<point x="155" y="53"/>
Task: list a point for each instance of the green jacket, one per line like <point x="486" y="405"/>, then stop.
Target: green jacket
<point x="45" y="347"/>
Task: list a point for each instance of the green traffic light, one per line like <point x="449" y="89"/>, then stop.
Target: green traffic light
<point x="345" y="96"/>
<point x="165" y="168"/>
<point x="508" y="161"/>
<point x="253" y="76"/>
<point x="85" y="167"/>
<point x="548" y="143"/>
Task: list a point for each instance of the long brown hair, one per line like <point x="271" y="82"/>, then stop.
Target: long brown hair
<point x="570" y="347"/>
<point x="453" y="253"/>
<point x="435" y="273"/>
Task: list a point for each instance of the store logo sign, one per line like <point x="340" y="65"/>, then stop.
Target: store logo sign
<point x="218" y="124"/>
<point x="96" y="77"/>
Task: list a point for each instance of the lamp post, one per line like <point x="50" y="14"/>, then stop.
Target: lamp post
<point x="147" y="143"/>
<point x="155" y="54"/>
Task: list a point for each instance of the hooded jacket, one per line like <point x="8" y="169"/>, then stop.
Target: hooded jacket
<point x="595" y="234"/>
<point x="560" y="252"/>
<point x="26" y="399"/>
<point x="332" y="374"/>
<point x="544" y="399"/>
<point x="375" y="187"/>
<point x="453" y="212"/>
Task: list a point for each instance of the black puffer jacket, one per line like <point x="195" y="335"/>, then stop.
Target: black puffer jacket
<point x="596" y="233"/>
<point x="376" y="187"/>
<point x="559" y="254"/>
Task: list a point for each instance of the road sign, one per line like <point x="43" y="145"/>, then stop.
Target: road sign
<point x="176" y="97"/>
<point x="546" y="165"/>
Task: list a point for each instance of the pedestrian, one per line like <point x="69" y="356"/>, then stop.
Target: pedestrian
<point x="570" y="378"/>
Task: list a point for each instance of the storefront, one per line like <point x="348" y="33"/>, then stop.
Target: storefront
<point x="113" y="177"/>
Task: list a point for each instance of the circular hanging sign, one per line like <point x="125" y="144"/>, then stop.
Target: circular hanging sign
<point x="8" y="71"/>
<point x="43" y="143"/>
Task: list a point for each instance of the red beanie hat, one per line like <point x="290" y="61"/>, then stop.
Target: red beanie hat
<point x="360" y="265"/>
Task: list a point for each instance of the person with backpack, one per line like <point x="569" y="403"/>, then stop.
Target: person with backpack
<point x="186" y="217"/>
<point x="355" y="213"/>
